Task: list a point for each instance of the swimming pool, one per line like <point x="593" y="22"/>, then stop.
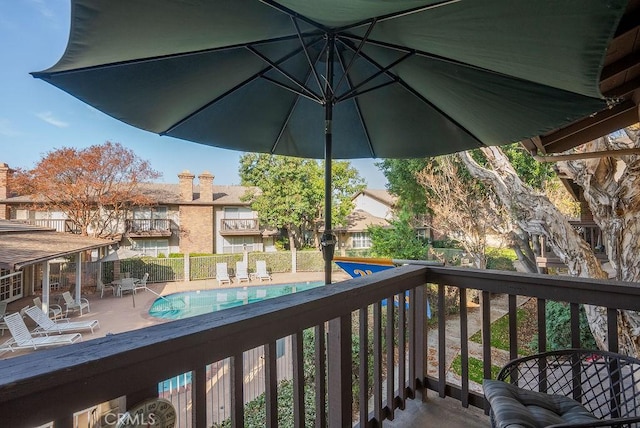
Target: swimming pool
<point x="191" y="303"/>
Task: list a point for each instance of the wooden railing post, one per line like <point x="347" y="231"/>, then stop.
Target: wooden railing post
<point x="339" y="371"/>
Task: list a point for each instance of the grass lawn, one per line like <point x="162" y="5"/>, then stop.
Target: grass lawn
<point x="500" y="331"/>
<point x="476" y="372"/>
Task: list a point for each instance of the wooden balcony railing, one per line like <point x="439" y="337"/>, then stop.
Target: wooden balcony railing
<point x="589" y="231"/>
<point x="392" y="364"/>
<point x="60" y="225"/>
<point x="239" y="226"/>
<point x="153" y="227"/>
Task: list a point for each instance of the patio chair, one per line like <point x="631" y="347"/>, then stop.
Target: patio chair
<point x="569" y="387"/>
<point x="222" y="274"/>
<point x="127" y="285"/>
<point x="47" y="325"/>
<point x="142" y="284"/>
<point x="55" y="311"/>
<point x="261" y="270"/>
<point x="73" y="306"/>
<point x="23" y="339"/>
<point x="242" y="273"/>
<point x="102" y="286"/>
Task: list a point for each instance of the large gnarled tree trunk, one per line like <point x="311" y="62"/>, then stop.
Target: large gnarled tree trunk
<point x="534" y="213"/>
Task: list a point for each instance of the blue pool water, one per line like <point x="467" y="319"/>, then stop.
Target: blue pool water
<point x="191" y="303"/>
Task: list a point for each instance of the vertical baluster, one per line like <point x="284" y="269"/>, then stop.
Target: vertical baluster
<point x="575" y="343"/>
<point x="271" y="384"/>
<point x="321" y="366"/>
<point x="340" y="372"/>
<point x="377" y="361"/>
<point x="612" y="329"/>
<point x="298" y="380"/>
<point x="237" y="390"/>
<point x="614" y="369"/>
<point x="390" y="357"/>
<point x="199" y="397"/>
<point x="417" y="334"/>
<point x="542" y="344"/>
<point x="442" y="352"/>
<point x="464" y="348"/>
<point x="402" y="356"/>
<point x="513" y="326"/>
<point x="575" y="324"/>
<point x="363" y="373"/>
<point x="486" y="340"/>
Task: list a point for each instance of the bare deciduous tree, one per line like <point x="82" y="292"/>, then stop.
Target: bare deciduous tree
<point x="93" y="186"/>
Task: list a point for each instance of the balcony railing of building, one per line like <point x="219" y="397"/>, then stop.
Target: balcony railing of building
<point x="394" y="360"/>
<point x="60" y="225"/>
<point x="149" y="227"/>
<point x="239" y="226"/>
<point x="589" y="231"/>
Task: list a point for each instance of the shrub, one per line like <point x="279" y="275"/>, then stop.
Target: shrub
<point x="559" y="328"/>
<point x="501" y="258"/>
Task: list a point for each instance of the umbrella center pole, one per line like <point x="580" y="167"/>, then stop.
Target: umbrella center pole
<point x="328" y="241"/>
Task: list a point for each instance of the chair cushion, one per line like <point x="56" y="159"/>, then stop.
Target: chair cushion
<point x="515" y="407"/>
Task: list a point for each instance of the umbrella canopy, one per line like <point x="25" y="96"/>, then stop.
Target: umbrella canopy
<point x="121" y="254"/>
<point x="408" y="78"/>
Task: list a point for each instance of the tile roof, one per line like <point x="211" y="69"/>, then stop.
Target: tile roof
<point x="169" y="193"/>
<point x="22" y="244"/>
<point x="381" y="195"/>
<point x="359" y="220"/>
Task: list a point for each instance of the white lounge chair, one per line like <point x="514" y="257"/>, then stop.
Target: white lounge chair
<point x="55" y="311"/>
<point x="222" y="274"/>
<point x="72" y="305"/>
<point x="242" y="273"/>
<point x="23" y="339"/>
<point x="47" y="325"/>
<point x="142" y="284"/>
<point x="261" y="270"/>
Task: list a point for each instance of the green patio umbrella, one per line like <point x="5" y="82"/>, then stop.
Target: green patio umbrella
<point x="339" y="78"/>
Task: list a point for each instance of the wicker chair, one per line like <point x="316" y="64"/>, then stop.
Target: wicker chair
<point x="568" y="388"/>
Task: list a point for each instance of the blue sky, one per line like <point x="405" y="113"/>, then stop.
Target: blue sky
<point x="36" y="117"/>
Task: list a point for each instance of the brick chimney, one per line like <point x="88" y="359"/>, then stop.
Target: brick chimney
<point x="206" y="186"/>
<point x="186" y="185"/>
<point x="4" y="189"/>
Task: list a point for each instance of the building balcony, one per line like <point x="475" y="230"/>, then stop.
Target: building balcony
<point x="240" y="226"/>
<point x="60" y="225"/>
<point x="589" y="231"/>
<point x="236" y="355"/>
<point x="144" y="228"/>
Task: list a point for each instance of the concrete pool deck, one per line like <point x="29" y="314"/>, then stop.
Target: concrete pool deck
<point x="131" y="312"/>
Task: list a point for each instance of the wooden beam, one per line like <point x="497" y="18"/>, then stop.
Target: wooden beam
<point x="601" y="123"/>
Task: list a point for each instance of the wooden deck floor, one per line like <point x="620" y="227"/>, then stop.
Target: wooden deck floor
<point x="438" y="412"/>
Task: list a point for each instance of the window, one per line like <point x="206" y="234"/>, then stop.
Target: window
<point x="361" y="240"/>
<point x="148" y="213"/>
<point x="237" y="244"/>
<point x="152" y="247"/>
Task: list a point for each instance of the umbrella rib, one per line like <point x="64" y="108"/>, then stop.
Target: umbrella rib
<point x="394" y="15"/>
<point x="290" y="113"/>
<point x="354" y="90"/>
<point x="416" y="94"/>
<point x="294" y="90"/>
<point x="306" y="54"/>
<point x="239" y="85"/>
<point x="306" y="92"/>
<point x="46" y="75"/>
<point x="424" y="54"/>
<point x="362" y="122"/>
<point x="355" y="55"/>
